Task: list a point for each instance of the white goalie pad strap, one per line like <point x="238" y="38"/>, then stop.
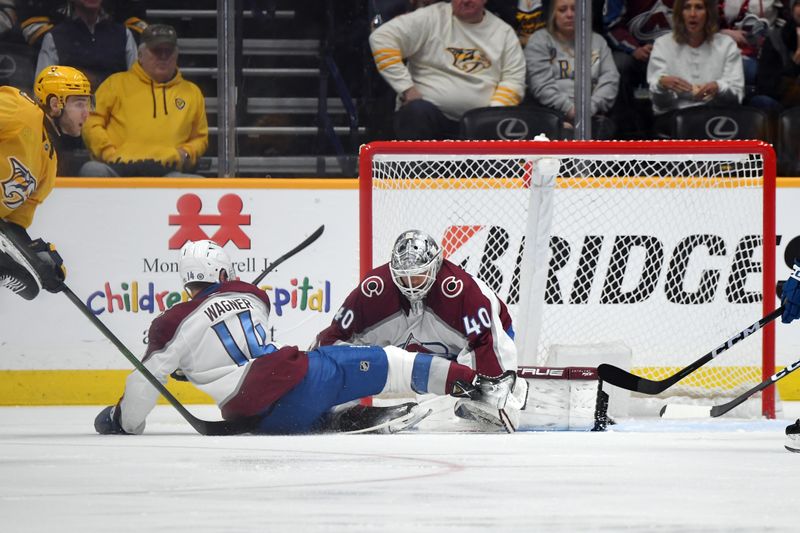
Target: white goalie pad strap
<point x="9" y="247"/>
<point x="401" y="367"/>
<point x="559" y="398"/>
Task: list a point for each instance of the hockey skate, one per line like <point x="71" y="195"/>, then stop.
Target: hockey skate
<point x="368" y="419"/>
<point x="494" y="402"/>
<point x="793" y="437"/>
<point x="15" y="278"/>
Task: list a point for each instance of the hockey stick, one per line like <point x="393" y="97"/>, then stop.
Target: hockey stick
<point x="224" y="427"/>
<point x="699" y="411"/>
<point x="624" y="379"/>
<point x="311" y="238"/>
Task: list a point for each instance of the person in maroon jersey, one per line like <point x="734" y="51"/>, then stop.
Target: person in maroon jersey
<point x="421" y="302"/>
<point x="218" y="339"/>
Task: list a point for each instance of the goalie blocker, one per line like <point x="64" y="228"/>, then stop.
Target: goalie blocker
<point x="560" y="399"/>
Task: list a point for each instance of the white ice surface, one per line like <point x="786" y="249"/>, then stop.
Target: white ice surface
<point x="57" y="475"/>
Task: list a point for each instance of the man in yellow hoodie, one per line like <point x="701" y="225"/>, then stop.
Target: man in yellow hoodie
<point x="148" y="121"/>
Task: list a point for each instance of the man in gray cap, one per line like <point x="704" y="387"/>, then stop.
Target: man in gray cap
<point x="148" y="121"/>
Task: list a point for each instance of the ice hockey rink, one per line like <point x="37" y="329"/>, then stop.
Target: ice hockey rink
<point x="646" y="475"/>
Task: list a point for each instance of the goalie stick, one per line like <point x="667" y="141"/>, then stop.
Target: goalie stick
<point x="624" y="379"/>
<point x="701" y="411"/>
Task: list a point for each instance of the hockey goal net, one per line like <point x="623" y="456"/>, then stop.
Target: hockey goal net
<point x="655" y="246"/>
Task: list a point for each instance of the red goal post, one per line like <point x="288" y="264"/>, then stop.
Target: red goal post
<point x="655" y="244"/>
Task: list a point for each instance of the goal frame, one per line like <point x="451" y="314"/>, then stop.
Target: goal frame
<point x="567" y="148"/>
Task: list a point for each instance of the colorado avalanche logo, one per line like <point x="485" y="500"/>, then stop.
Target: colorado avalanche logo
<point x="452" y="287"/>
<point x="469" y="60"/>
<point x="413" y="344"/>
<point x="19" y="185"/>
<point x="372" y="286"/>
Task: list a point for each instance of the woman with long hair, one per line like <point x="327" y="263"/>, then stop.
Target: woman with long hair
<point x="550" y="60"/>
<point x="695" y="64"/>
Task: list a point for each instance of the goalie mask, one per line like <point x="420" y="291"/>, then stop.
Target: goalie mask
<point x="416" y="259"/>
<point x="202" y="262"/>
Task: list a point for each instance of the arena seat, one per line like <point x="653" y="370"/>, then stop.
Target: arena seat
<point x="510" y="123"/>
<point x="721" y="123"/>
<point x="17" y="65"/>
<point x="788" y="146"/>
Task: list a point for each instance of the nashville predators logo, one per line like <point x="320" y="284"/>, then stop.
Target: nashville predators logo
<point x="469" y="60"/>
<point x="180" y="103"/>
<point x="19" y="185"/>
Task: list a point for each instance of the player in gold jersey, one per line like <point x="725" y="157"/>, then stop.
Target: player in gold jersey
<point x="30" y="130"/>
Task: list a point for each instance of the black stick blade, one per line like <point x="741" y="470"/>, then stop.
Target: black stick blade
<point x="226" y="427"/>
<point x="618" y="377"/>
<point x="625" y="380"/>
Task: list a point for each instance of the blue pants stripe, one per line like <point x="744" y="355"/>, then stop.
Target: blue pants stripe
<point x="420" y="373"/>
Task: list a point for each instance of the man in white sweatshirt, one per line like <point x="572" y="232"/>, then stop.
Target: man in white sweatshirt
<point x="445" y="59"/>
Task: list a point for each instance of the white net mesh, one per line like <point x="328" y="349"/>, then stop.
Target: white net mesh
<point x="660" y="252"/>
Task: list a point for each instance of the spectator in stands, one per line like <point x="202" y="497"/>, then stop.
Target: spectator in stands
<point x="631" y="26"/>
<point x="8" y="17"/>
<point x="148" y="121"/>
<point x="460" y="57"/>
<point x="38" y="17"/>
<point x="695" y="64"/>
<point x="748" y="22"/>
<point x="550" y="57"/>
<point x="530" y="19"/>
<point x="778" y="79"/>
<point x="89" y="40"/>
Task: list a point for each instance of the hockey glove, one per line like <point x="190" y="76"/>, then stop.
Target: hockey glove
<point x="790" y="296"/>
<point x="48" y="265"/>
<point x="107" y="421"/>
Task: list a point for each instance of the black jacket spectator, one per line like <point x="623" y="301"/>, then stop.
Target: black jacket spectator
<point x="779" y="65"/>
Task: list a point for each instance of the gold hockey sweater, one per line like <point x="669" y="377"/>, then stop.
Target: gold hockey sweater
<point x="27" y="158"/>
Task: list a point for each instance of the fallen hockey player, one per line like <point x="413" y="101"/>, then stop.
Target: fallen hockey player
<point x="218" y="340"/>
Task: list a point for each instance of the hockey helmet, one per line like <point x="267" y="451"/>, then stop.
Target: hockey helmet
<point x="202" y="262"/>
<point x="61" y="82"/>
<point x="416" y="259"/>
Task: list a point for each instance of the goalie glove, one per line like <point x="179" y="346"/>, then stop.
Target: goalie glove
<point x="495" y="402"/>
<point x="42" y="264"/>
<point x="790" y="295"/>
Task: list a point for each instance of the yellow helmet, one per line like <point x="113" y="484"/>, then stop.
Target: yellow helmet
<point x="61" y="82"/>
